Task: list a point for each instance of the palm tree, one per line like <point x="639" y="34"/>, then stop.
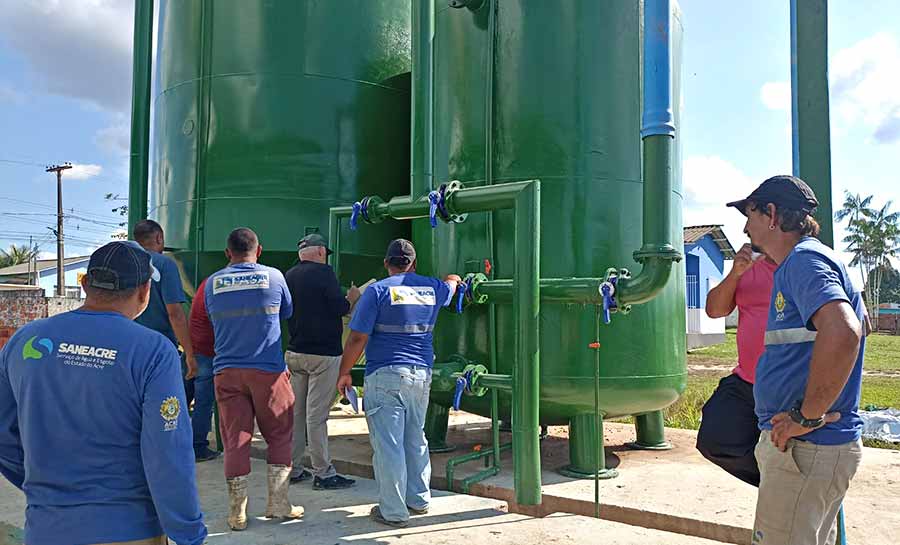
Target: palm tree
<point x="856" y="209"/>
<point x="883" y="230"/>
<point x="16" y="255"/>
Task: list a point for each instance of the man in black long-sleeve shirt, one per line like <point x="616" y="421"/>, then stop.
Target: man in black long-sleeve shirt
<point x="314" y="357"/>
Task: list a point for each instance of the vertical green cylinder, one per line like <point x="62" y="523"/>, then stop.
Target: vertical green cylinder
<point x="138" y="176"/>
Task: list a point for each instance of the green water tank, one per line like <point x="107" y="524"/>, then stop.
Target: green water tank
<point x="269" y="113"/>
<point x="554" y="94"/>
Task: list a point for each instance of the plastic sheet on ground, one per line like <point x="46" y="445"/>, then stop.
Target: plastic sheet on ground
<point x="881" y="424"/>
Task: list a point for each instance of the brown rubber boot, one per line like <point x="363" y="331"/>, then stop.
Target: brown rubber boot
<point x="279" y="505"/>
<point x="237" y="501"/>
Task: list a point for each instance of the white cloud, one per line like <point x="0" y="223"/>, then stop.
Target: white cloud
<point x="116" y="138"/>
<point x="75" y="48"/>
<point x="709" y="182"/>
<point x="83" y="172"/>
<point x="9" y="94"/>
<point x="776" y="95"/>
<point x="865" y="79"/>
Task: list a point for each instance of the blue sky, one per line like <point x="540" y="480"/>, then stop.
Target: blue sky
<point x="65" y="93"/>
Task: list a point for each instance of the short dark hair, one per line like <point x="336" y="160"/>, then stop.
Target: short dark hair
<point x="791" y="220"/>
<point x="110" y="296"/>
<point x="242" y="241"/>
<point x="145" y="229"/>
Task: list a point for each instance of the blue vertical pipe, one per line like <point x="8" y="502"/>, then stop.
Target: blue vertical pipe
<point x="657" y="118"/>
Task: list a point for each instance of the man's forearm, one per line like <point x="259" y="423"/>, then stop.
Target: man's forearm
<point x="833" y="358"/>
<point x="352" y="351"/>
<point x="182" y="332"/>
<point x="720" y="300"/>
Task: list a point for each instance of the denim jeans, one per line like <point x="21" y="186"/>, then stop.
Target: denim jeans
<point x="204" y="398"/>
<point x="395" y="400"/>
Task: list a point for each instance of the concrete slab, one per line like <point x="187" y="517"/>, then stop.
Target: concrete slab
<point x="341" y="517"/>
<point x="675" y="490"/>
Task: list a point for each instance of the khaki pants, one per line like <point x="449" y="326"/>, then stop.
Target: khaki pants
<point x="159" y="540"/>
<point x="314" y="380"/>
<point x="801" y="490"/>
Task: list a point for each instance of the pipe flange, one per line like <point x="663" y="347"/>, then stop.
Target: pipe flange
<point x="474" y="280"/>
<point x="443" y="210"/>
<point x="658" y="251"/>
<point x="369" y="205"/>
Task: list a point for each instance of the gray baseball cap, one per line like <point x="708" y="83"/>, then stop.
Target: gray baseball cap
<point x="312" y="240"/>
<point x="400" y="249"/>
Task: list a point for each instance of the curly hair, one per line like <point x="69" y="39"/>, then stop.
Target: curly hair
<point x="791" y="220"/>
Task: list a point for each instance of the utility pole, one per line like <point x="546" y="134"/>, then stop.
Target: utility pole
<point x="60" y="243"/>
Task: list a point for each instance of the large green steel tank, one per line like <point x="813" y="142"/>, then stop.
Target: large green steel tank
<point x="269" y="113"/>
<point x="561" y="102"/>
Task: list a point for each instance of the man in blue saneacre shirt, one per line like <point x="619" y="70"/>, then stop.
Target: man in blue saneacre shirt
<point x="808" y="379"/>
<point x="245" y="302"/>
<point x="93" y="423"/>
<point x="393" y="322"/>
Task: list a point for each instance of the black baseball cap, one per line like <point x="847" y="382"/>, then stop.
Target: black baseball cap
<point x="782" y="191"/>
<point x="312" y="240"/>
<point x="399" y="249"/>
<point x="120" y="265"/>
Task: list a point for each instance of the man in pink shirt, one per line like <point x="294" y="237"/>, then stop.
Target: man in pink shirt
<point x="729" y="431"/>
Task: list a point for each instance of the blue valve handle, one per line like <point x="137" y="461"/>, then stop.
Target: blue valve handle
<point x="461" y="384"/>
<point x="354" y="216"/>
<point x="461" y="291"/>
<point x="433" y="199"/>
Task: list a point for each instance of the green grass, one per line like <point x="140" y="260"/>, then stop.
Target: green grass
<point x="686" y="412"/>
<point x="882" y="353"/>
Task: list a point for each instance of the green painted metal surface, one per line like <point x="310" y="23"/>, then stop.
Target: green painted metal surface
<point x="565" y="109"/>
<point x="269" y="113"/>
<point x="139" y="164"/>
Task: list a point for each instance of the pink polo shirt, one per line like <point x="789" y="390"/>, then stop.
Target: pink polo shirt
<point x="752" y="297"/>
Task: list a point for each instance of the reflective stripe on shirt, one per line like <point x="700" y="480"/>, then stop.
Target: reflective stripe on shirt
<point x="795" y="335"/>
<point x="241" y="312"/>
<point x="407" y="328"/>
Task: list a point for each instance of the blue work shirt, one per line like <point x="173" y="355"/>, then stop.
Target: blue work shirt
<point x="245" y="303"/>
<point x="95" y="430"/>
<point x="811" y="276"/>
<point x="398" y="313"/>
<point x="167" y="291"/>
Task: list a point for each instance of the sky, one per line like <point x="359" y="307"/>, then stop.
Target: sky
<point x="65" y="88"/>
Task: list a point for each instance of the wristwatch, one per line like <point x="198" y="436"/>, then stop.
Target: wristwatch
<point x="798" y="417"/>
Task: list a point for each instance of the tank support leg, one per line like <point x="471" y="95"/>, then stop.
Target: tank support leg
<point x="651" y="432"/>
<point x="436" y="420"/>
<point x="585" y="444"/>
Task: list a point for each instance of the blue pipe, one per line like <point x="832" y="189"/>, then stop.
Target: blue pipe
<point x="657" y="118"/>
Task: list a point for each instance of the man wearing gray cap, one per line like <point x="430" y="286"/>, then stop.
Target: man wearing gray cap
<point x="93" y="422"/>
<point x="808" y="379"/>
<point x="314" y="357"/>
<point x="393" y="323"/>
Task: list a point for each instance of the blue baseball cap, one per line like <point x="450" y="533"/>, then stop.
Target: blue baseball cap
<point x="120" y="265"/>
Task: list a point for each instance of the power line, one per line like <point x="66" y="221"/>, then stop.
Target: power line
<point x="91" y="213"/>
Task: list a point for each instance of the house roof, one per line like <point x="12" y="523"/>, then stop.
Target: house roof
<point x="42" y="265"/>
<point x="694" y="233"/>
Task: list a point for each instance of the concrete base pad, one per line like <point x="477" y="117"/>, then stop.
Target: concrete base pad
<point x="341" y="517"/>
<point x="675" y="490"/>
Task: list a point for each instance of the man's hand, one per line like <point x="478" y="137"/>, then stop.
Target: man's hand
<point x="191" y="363"/>
<point x="344" y="382"/>
<point x="453" y="278"/>
<point x="353" y="294"/>
<point x="783" y="428"/>
<point x="743" y="260"/>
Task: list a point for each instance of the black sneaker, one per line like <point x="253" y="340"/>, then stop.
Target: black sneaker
<point x="414" y="511"/>
<point x="300" y="477"/>
<point x="334" y="482"/>
<point x="206" y="454"/>
<point x="375" y="513"/>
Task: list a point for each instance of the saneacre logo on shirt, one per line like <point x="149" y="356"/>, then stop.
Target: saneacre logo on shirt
<point x="412" y="295"/>
<point x="83" y="355"/>
<point x="256" y="280"/>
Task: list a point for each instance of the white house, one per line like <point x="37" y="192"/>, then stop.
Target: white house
<point x="42" y="273"/>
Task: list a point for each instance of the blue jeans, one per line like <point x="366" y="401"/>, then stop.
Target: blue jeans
<point x="204" y="398"/>
<point x="395" y="401"/>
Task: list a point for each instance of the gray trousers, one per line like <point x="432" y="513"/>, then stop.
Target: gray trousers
<point x="314" y="380"/>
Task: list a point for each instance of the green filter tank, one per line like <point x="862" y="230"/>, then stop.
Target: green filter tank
<point x="269" y="113"/>
<point x="552" y="91"/>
